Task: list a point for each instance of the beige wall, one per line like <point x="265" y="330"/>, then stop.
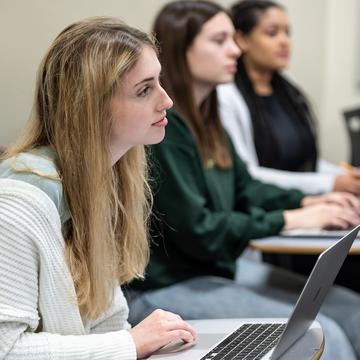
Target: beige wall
<point x="326" y="38"/>
<point x="325" y="33"/>
<point x="341" y="87"/>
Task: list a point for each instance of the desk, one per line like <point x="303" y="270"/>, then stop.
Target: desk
<point x="294" y="245"/>
<point x="300" y="254"/>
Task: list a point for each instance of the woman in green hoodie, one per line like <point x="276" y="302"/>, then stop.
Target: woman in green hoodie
<point x="207" y="205"/>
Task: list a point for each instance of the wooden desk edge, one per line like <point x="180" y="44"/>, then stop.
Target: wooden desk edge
<point x="283" y="249"/>
<point x="317" y="356"/>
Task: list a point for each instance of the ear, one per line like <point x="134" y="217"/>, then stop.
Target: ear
<point x="241" y="40"/>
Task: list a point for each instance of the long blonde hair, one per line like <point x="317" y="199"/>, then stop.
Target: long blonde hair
<point x="109" y="206"/>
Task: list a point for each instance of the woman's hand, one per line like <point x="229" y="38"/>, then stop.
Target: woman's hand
<point x="321" y="216"/>
<point x="343" y="199"/>
<point x="159" y="329"/>
<point x="348" y="182"/>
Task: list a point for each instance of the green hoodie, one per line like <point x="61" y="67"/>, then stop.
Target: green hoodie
<point x="205" y="216"/>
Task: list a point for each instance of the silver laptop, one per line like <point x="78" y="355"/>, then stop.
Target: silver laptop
<point x="267" y="338"/>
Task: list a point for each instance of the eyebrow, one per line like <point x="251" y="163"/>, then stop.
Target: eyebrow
<point x="144" y="81"/>
<point x="217" y="33"/>
<point x="222" y="33"/>
<point x="277" y="23"/>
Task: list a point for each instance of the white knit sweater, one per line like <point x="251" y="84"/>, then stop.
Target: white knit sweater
<point x="39" y="318"/>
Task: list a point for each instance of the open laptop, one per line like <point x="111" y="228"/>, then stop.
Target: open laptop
<point x="267" y="339"/>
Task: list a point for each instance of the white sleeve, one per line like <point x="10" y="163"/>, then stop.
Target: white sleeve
<point x="19" y="311"/>
<point x="324" y="166"/>
<point x="236" y="119"/>
<point x="115" y="318"/>
<point x="310" y="183"/>
<point x="19" y="344"/>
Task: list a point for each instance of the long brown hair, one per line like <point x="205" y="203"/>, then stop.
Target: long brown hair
<point x="175" y="28"/>
<point x="109" y="206"/>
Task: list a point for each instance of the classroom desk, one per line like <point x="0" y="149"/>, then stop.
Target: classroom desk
<point x="292" y="245"/>
<point x="300" y="254"/>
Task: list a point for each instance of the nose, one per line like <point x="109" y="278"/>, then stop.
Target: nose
<point x="165" y="102"/>
<point x="234" y="50"/>
<point x="285" y="39"/>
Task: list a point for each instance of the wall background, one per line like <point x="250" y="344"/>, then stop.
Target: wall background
<point x="326" y="37"/>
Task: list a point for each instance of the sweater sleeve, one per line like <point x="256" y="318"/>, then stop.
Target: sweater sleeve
<point x="115" y="318"/>
<point x="324" y="166"/>
<point x="311" y="183"/>
<point x="197" y="230"/>
<point x="236" y="119"/>
<point x="251" y="192"/>
<point x="20" y="319"/>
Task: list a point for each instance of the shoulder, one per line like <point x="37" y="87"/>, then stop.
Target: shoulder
<point x="226" y="90"/>
<point x="288" y="84"/>
<point x="26" y="204"/>
<point x="36" y="168"/>
<point x="230" y="96"/>
<point x="177" y="150"/>
<point x="177" y="132"/>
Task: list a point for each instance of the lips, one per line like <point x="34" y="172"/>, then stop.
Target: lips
<point x="284" y="54"/>
<point x="231" y="68"/>
<point x="162" y="122"/>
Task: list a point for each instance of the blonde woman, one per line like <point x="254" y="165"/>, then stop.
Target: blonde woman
<point x="74" y="201"/>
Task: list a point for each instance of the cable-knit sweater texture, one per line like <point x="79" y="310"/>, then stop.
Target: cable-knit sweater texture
<point x="39" y="317"/>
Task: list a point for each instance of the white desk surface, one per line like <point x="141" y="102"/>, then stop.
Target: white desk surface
<point x="294" y="245"/>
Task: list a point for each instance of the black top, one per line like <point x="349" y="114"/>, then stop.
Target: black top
<point x="286" y="110"/>
<point x="294" y="141"/>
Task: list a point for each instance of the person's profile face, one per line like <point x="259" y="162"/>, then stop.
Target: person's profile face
<point x="268" y="45"/>
<point x="138" y="108"/>
<point x="212" y="55"/>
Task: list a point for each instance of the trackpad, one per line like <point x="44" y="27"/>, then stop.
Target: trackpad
<point x="206" y="341"/>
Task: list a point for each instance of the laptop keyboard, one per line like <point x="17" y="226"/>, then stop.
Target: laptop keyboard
<point x="249" y="341"/>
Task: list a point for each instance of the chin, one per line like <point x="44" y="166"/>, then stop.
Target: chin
<point x="156" y="139"/>
<point x="225" y="79"/>
<point x="281" y="65"/>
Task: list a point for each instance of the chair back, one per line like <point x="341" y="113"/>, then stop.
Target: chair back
<point x="352" y="121"/>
